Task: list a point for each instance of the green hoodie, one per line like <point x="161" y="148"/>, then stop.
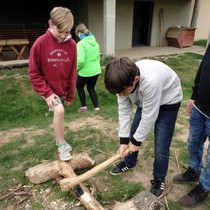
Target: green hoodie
<point x="88" y="57"/>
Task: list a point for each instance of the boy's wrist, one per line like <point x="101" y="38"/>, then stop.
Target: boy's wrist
<point x="134" y="142"/>
<point x="124" y="140"/>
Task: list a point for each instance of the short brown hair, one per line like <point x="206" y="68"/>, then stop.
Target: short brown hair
<point x="120" y="74"/>
<point x="62" y="18"/>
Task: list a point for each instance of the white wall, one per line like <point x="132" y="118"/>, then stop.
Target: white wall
<point x="124" y="24"/>
<point x="203" y="24"/>
<point x="175" y="13"/>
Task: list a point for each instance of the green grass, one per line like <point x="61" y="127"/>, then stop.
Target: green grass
<point x="201" y="42"/>
<point x="186" y="67"/>
<point x="22" y="109"/>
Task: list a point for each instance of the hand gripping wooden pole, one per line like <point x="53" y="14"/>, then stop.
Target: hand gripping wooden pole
<point x="68" y="183"/>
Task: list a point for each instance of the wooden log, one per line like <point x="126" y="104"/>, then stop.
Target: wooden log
<point x="68" y="183"/>
<point x="80" y="191"/>
<point x="142" y="201"/>
<point x="50" y="170"/>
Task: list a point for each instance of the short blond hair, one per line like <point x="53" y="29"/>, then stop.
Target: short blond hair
<point x="62" y="18"/>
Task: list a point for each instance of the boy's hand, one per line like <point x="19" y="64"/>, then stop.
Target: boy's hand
<point x="67" y="103"/>
<point x="131" y="148"/>
<point x="189" y="106"/>
<point x="52" y="101"/>
<point x="122" y="149"/>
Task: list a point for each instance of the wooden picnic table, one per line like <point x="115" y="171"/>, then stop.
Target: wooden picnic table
<point x="17" y="45"/>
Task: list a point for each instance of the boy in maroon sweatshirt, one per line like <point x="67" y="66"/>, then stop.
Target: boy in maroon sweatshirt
<point x="52" y="71"/>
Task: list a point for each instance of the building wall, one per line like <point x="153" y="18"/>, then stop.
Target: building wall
<point x="170" y="16"/>
<point x="203" y="24"/>
<point x="175" y="12"/>
<point x="124" y="19"/>
<point x="95" y="14"/>
<point x="124" y="24"/>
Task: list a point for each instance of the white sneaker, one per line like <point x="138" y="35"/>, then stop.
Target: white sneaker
<point x="68" y="146"/>
<point x="83" y="109"/>
<point x="96" y="109"/>
<point x="64" y="152"/>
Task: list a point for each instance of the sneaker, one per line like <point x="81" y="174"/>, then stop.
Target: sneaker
<point x="194" y="198"/>
<point x="188" y="176"/>
<point x="83" y="109"/>
<point x="119" y="168"/>
<point x="68" y="147"/>
<point x="64" y="152"/>
<point x="157" y="187"/>
<point x="96" y="109"/>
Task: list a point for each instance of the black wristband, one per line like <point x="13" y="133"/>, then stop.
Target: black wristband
<point x="124" y="140"/>
<point x="134" y="142"/>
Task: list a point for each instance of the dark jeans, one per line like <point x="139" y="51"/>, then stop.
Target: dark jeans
<point x="90" y="82"/>
<point x="163" y="133"/>
<point x="198" y="133"/>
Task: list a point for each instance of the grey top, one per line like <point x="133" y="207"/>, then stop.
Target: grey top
<point x="158" y="85"/>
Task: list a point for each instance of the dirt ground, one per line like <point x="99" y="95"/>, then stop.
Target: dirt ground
<point x="110" y="129"/>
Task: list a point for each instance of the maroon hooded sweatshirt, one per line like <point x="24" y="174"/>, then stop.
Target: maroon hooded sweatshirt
<point x="52" y="66"/>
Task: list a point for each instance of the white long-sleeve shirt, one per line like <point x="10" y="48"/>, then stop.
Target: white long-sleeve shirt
<point x="158" y="85"/>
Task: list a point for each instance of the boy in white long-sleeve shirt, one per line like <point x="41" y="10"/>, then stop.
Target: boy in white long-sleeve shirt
<point x="156" y="90"/>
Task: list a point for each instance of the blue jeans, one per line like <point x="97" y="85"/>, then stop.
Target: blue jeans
<point x="198" y="133"/>
<point x="163" y="133"/>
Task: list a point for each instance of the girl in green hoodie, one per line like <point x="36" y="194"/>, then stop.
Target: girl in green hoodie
<point x="88" y="66"/>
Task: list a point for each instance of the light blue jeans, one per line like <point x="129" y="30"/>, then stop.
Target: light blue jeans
<point x="163" y="133"/>
<point x="198" y="133"/>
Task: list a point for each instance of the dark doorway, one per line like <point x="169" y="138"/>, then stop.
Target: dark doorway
<point x="33" y="12"/>
<point x="32" y="16"/>
<point x="142" y="21"/>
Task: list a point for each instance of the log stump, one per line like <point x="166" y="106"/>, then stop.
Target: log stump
<point x="50" y="170"/>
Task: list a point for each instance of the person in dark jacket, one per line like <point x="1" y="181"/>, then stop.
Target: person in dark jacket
<point x="199" y="109"/>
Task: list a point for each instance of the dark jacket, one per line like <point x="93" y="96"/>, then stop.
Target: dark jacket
<point x="201" y="89"/>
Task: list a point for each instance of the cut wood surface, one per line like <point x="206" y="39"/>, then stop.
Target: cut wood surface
<point x="80" y="191"/>
<point x="50" y="170"/>
<point x="142" y="201"/>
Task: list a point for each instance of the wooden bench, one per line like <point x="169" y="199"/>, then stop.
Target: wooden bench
<point x="17" y="34"/>
<point x="30" y="34"/>
<point x="17" y="45"/>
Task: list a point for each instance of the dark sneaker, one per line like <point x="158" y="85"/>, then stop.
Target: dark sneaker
<point x="119" y="168"/>
<point x="188" y="176"/>
<point x="194" y="198"/>
<point x="157" y="187"/>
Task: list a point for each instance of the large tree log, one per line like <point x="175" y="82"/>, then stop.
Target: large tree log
<point x="50" y="170"/>
<point x="142" y="201"/>
<point x="80" y="191"/>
